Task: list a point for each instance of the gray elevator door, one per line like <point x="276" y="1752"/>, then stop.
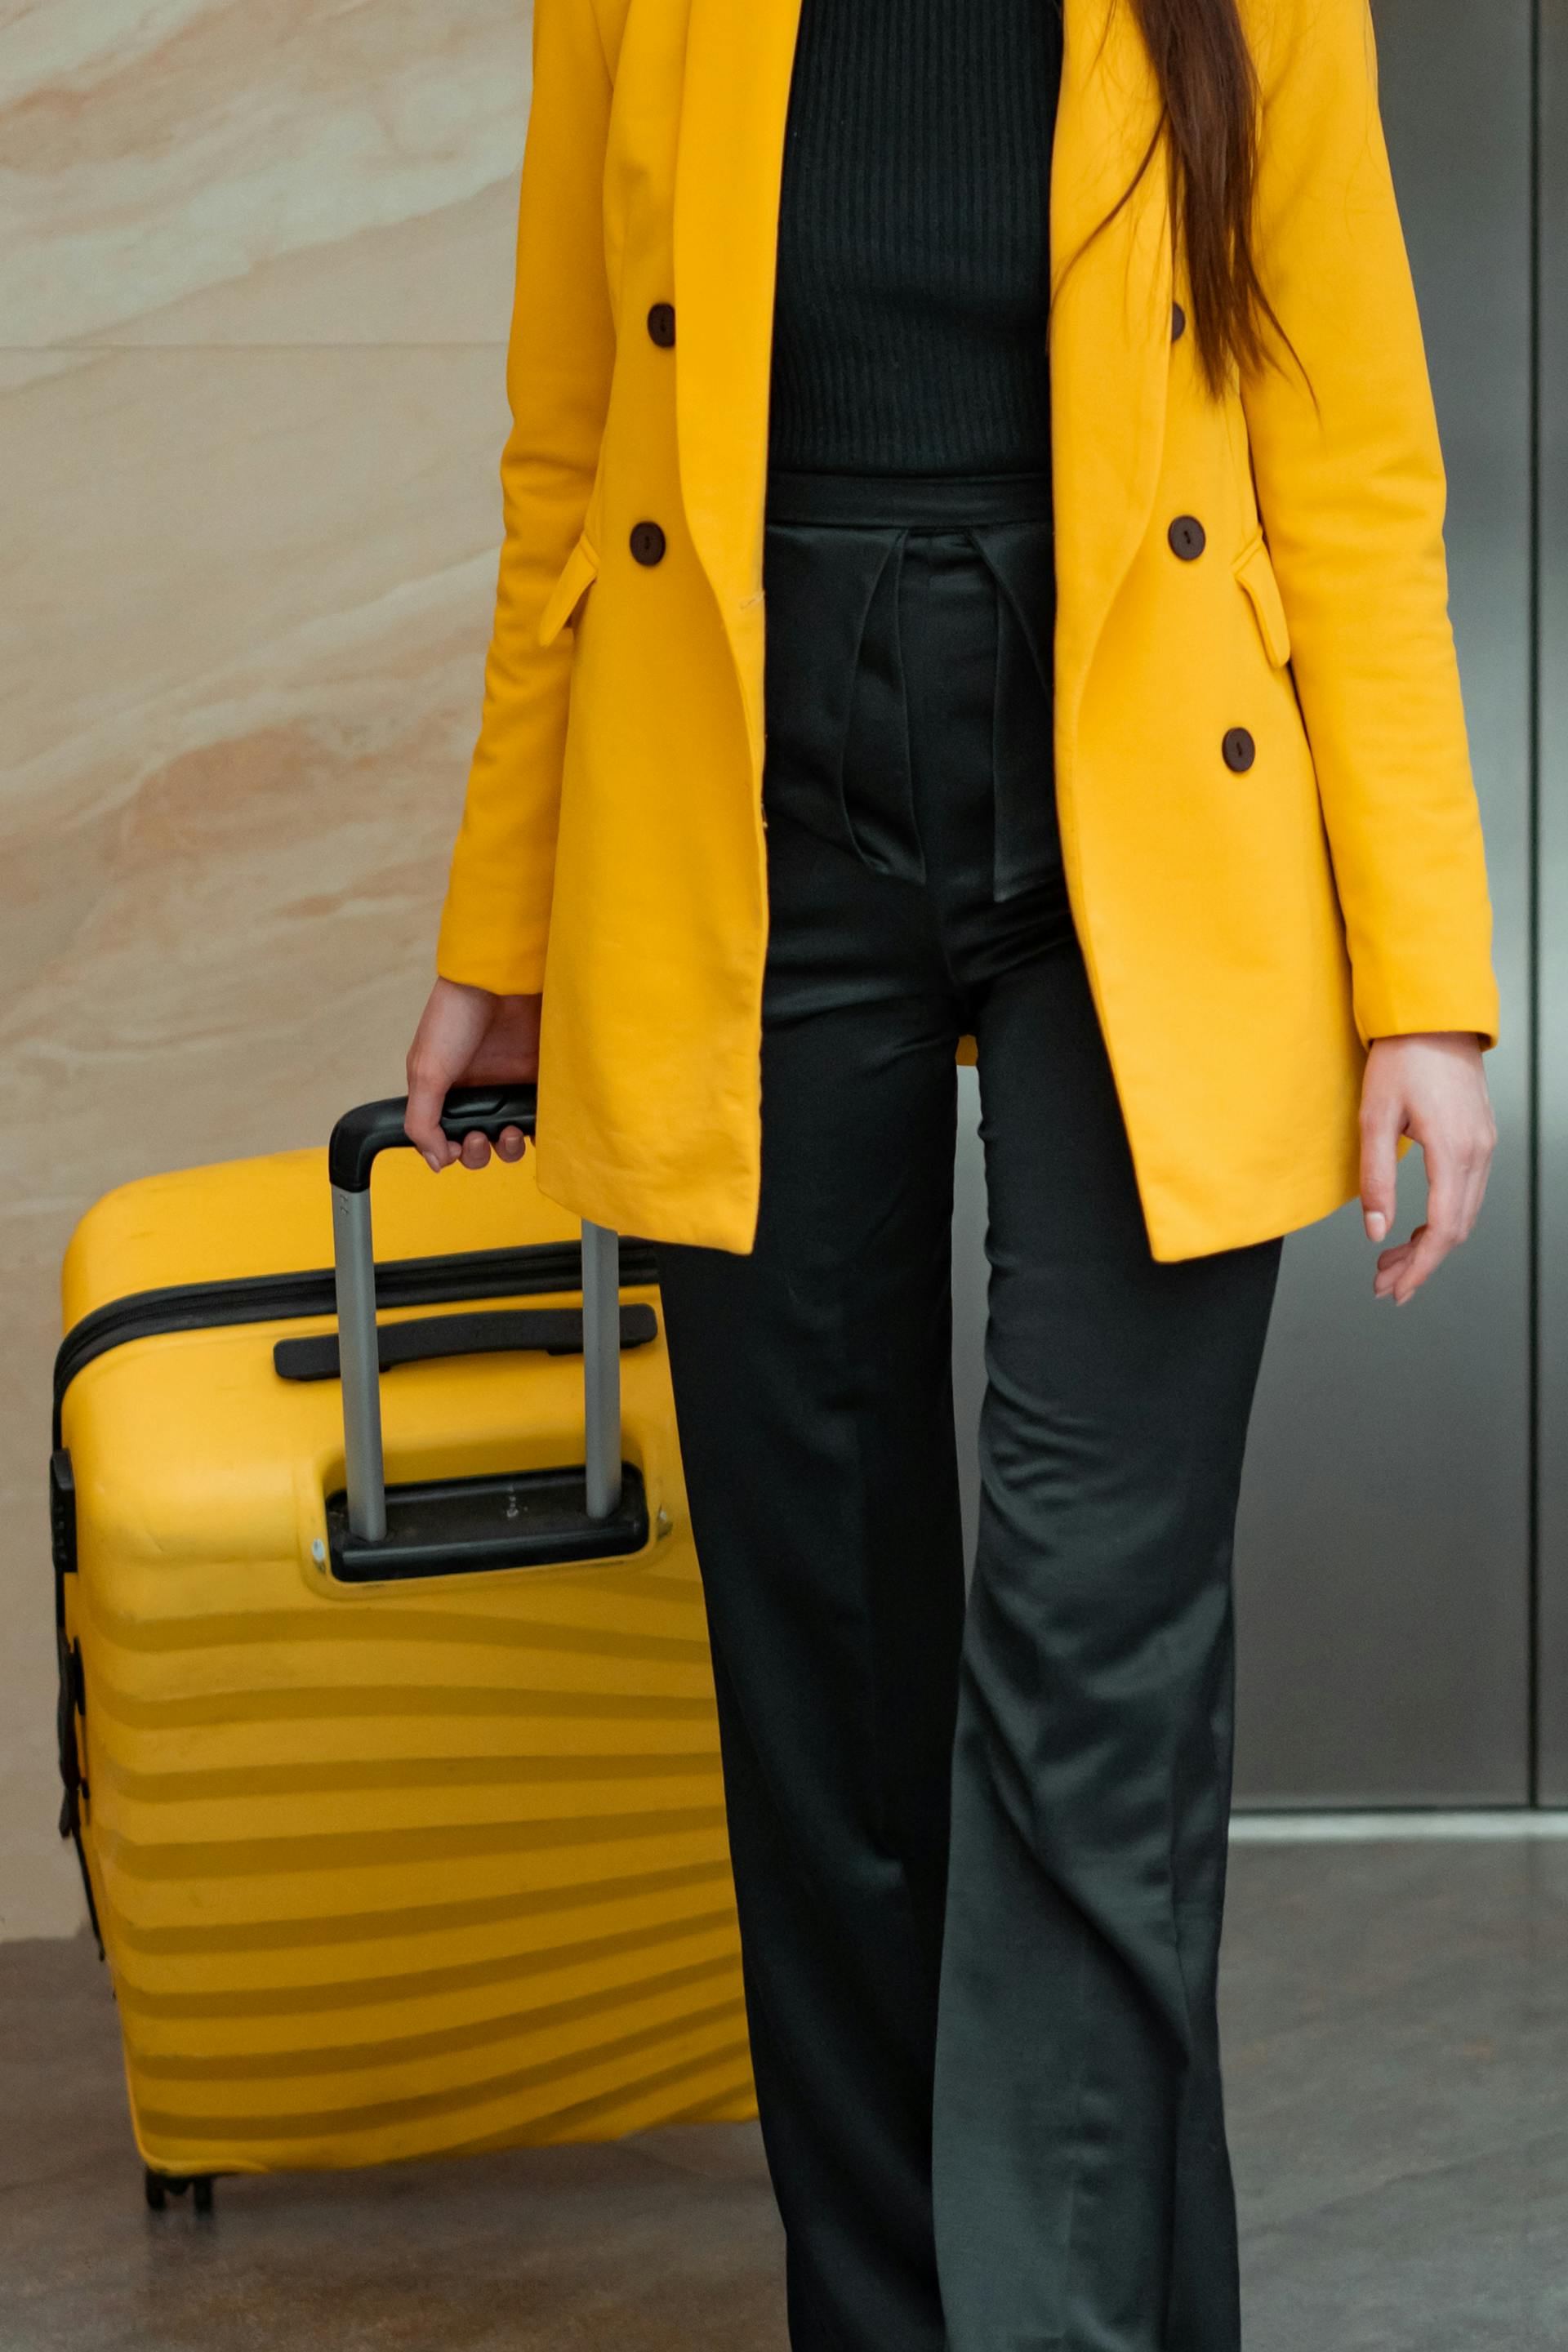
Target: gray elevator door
<point x="1383" y="1550"/>
<point x="1383" y="1557"/>
<point x="1551" y="1661"/>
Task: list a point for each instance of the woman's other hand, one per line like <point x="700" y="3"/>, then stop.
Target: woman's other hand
<point x="467" y="1037"/>
<point x="1433" y="1088"/>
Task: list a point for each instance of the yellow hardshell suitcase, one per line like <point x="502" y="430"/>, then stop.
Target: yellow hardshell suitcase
<point x="402" y="1843"/>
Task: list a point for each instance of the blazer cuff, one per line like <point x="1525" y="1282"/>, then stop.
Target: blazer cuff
<point x="507" y="966"/>
<point x="1424" y="1013"/>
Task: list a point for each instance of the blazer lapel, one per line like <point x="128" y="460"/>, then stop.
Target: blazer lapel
<point x="1110" y="320"/>
<point x="740" y="57"/>
<point x="1110" y="327"/>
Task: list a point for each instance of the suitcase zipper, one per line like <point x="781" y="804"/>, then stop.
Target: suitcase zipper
<point x="285" y="1297"/>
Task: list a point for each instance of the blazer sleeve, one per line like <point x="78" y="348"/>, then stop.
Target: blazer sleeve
<point x="495" y="920"/>
<point x="1351" y="491"/>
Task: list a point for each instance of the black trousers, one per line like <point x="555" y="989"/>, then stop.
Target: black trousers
<point x="979" y="1849"/>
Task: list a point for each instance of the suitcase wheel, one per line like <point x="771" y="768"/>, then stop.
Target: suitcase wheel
<point x="160" y="2186"/>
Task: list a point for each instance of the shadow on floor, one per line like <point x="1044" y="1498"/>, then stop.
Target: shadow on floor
<point x="1398" y="2049"/>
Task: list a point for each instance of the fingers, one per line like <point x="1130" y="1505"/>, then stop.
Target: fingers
<point x="422" y="1119"/>
<point x="1381" y="1116"/>
<point x="451" y="1029"/>
<point x="474" y="1151"/>
<point x="510" y="1144"/>
<point x="1432" y="1087"/>
<point x="467" y="1033"/>
<point x="1456" y="1173"/>
<point x="1401" y="1271"/>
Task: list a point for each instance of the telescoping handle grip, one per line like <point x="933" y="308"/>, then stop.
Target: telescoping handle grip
<point x="357" y="1141"/>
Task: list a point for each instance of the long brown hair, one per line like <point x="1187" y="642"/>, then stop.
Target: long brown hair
<point x="1209" y="83"/>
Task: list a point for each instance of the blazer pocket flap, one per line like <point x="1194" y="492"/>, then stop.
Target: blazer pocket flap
<point x="579" y="572"/>
<point x="1255" y="573"/>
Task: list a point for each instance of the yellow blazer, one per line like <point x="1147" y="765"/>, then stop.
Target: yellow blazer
<point x="1245" y="934"/>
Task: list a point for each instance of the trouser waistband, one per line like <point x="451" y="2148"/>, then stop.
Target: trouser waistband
<point x="857" y="617"/>
<point x="908" y="501"/>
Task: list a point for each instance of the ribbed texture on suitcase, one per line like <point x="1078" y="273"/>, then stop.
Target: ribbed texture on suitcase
<point x="484" y="1899"/>
<point x="393" y="1871"/>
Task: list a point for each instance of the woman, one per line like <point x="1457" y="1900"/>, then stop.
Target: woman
<point x="1113" y="738"/>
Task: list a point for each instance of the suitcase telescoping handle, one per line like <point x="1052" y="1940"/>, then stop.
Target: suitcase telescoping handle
<point x="358" y="1139"/>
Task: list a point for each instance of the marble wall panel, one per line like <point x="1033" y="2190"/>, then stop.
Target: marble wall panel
<point x="208" y="170"/>
<point x="255" y="270"/>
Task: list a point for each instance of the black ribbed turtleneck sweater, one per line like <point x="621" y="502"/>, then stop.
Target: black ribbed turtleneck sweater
<point x="914" y="236"/>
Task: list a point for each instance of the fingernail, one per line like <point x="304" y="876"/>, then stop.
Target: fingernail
<point x="1376" y="1224"/>
<point x="433" y="1162"/>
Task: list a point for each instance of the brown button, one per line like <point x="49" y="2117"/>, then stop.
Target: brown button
<point x="1178" y="322"/>
<point x="647" y="542"/>
<point x="1240" y="750"/>
<point x="1188" y="537"/>
<point x="661" y="325"/>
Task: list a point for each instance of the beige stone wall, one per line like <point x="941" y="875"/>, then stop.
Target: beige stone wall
<point x="255" y="270"/>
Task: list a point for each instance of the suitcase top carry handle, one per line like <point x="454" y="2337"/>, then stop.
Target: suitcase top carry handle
<point x="357" y="1139"/>
<point x="361" y="1135"/>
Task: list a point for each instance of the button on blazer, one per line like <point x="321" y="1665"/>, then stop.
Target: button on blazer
<point x="1263" y="784"/>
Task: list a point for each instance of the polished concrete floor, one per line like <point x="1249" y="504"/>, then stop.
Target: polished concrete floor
<point x="1397" y="2024"/>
